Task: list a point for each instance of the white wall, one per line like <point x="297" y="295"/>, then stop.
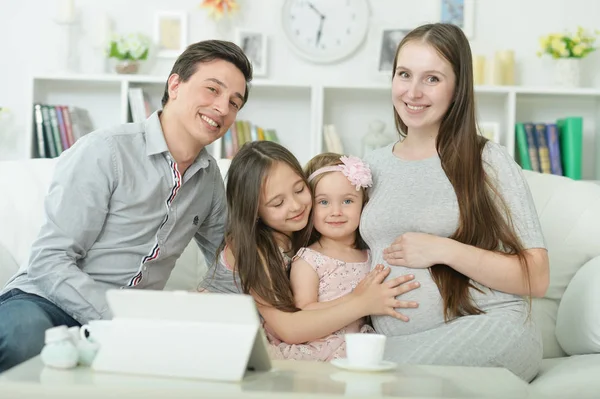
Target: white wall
<point x="30" y="41"/>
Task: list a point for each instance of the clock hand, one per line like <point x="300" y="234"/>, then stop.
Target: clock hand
<point x="315" y="10"/>
<point x="320" y="31"/>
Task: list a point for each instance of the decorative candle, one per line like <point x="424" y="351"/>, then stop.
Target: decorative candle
<point x="479" y="69"/>
<point x="507" y="61"/>
<point x="493" y="71"/>
<point x="102" y="30"/>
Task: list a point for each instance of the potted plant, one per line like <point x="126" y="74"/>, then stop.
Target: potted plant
<point x="128" y="50"/>
<point x="567" y="49"/>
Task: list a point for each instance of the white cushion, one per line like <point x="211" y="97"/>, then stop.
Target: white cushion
<point x="568" y="377"/>
<point x="189" y="269"/>
<point x="224" y="166"/>
<point x="543" y="312"/>
<point x="569" y="212"/>
<point x="8" y="265"/>
<point x="578" y="319"/>
<point x="22" y="203"/>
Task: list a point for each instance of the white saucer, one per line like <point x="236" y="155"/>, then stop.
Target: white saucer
<point x="345" y="365"/>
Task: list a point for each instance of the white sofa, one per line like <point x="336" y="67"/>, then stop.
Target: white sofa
<point x="569" y="315"/>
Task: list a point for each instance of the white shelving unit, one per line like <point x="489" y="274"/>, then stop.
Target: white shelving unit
<point x="298" y="110"/>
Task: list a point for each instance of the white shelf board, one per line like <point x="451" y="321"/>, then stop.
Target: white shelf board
<point x="534" y="90"/>
<point x="82" y="77"/>
<point x="388" y="87"/>
<point x="557" y="91"/>
<point x="376" y="86"/>
<point x="493" y="89"/>
<point x="155" y="79"/>
<point x="279" y="84"/>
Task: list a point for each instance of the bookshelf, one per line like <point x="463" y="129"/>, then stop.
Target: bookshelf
<point x="298" y="110"/>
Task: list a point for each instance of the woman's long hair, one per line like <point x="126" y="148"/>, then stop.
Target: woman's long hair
<point x="258" y="260"/>
<point x="484" y="218"/>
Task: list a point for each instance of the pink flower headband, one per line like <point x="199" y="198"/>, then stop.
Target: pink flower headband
<point x="353" y="168"/>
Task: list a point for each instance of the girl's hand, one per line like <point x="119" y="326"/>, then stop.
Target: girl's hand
<point x="416" y="250"/>
<point x="379" y="297"/>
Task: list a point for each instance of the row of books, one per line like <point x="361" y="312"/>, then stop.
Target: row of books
<point x="554" y="148"/>
<point x="58" y="127"/>
<point x="241" y="132"/>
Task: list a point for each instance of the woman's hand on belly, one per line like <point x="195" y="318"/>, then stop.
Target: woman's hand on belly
<point x="379" y="297"/>
<point x="416" y="251"/>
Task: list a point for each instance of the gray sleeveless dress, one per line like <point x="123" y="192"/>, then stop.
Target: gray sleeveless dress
<point x="416" y="196"/>
<point x="220" y="277"/>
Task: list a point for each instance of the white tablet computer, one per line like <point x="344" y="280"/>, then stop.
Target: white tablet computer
<point x="183" y="334"/>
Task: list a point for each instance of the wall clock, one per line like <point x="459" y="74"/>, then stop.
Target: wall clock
<point x="325" y="30"/>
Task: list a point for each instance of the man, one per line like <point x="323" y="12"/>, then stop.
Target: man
<point x="124" y="203"/>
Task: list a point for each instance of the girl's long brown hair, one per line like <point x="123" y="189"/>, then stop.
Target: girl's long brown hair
<point x="258" y="260"/>
<point x="484" y="218"/>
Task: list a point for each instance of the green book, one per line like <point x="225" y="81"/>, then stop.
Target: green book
<point x="570" y="136"/>
<point x="522" y="148"/>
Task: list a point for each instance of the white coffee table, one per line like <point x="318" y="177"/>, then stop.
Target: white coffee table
<point x="288" y="379"/>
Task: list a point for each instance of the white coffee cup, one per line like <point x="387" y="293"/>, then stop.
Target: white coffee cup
<point x="95" y="331"/>
<point x="365" y="349"/>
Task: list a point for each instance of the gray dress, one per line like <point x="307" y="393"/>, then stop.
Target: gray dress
<point x="416" y="196"/>
<point x="220" y="277"/>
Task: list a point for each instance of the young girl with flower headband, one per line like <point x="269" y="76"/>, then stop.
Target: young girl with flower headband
<point x="336" y="259"/>
<point x="268" y="202"/>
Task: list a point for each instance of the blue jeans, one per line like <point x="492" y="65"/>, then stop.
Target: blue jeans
<point x="24" y="318"/>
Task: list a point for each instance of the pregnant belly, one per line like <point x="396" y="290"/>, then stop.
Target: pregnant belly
<point x="428" y="315"/>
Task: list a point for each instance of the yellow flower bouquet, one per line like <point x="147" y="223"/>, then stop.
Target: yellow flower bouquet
<point x="568" y="45"/>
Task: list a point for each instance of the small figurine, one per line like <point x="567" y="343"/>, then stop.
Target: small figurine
<point x="375" y="137"/>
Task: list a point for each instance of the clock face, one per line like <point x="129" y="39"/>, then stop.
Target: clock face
<point x="325" y="30"/>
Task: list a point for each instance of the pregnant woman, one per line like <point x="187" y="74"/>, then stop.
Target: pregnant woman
<point x="453" y="209"/>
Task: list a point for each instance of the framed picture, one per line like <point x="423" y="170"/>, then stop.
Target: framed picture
<point x="461" y="13"/>
<point x="490" y="130"/>
<point x="170" y="33"/>
<point x="390" y="38"/>
<point x="254" y="45"/>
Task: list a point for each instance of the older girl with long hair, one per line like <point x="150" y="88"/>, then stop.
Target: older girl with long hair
<point x="454" y="209"/>
<point x="268" y="202"/>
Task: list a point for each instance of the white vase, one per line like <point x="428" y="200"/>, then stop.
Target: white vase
<point x="566" y="72"/>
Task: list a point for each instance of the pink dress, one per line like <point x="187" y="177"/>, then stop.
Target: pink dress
<point x="336" y="279"/>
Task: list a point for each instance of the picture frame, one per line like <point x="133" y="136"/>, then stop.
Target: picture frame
<point x="170" y="33"/>
<point x="254" y="44"/>
<point x="389" y="38"/>
<point x="489" y="130"/>
<point x="459" y="12"/>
